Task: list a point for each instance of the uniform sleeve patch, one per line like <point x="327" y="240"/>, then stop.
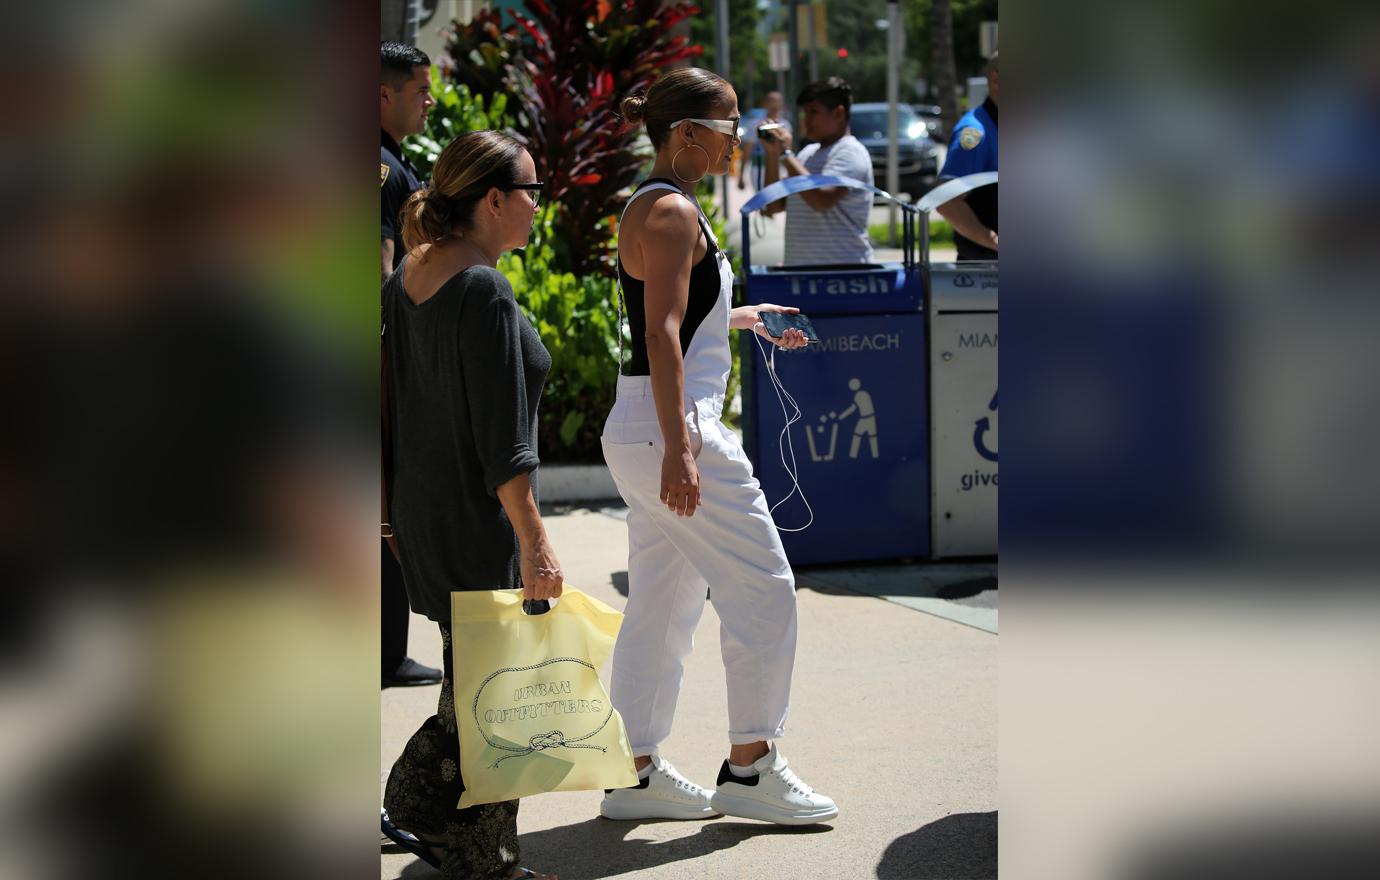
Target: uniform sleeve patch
<point x="969" y="137"/>
<point x="383" y="174"/>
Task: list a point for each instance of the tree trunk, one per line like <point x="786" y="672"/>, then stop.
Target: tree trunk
<point x="942" y="57"/>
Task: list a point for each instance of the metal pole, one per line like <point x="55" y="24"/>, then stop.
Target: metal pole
<point x="893" y="60"/>
<point x="925" y="243"/>
<point x="814" y="44"/>
<point x="721" y="37"/>
<point x="747" y="249"/>
<point x="721" y="54"/>
<point x="793" y="32"/>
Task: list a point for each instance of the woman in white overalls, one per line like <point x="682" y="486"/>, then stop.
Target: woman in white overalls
<point x="697" y="518"/>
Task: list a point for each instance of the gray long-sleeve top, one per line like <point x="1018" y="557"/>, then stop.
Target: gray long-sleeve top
<point x="466" y="369"/>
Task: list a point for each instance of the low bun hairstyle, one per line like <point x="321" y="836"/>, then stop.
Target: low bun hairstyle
<point x="466" y="170"/>
<point x="633" y="108"/>
<point x="683" y="93"/>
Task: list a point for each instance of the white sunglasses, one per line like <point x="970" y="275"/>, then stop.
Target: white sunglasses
<point x="724" y="126"/>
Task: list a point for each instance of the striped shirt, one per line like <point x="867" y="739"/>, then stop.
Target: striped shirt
<point x="838" y="235"/>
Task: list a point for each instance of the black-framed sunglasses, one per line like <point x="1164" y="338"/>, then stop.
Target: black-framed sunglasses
<point x="534" y="190"/>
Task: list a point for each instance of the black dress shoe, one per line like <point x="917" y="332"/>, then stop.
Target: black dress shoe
<point x="410" y="673"/>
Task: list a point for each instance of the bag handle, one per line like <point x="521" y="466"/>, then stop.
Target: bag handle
<point x="533" y="607"/>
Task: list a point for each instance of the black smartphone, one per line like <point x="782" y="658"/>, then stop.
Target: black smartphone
<point x="778" y="322"/>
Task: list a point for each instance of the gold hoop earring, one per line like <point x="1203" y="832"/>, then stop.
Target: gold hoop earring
<point x="702" y="173"/>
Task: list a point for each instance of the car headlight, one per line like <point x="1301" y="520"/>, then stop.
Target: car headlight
<point x="916" y="129"/>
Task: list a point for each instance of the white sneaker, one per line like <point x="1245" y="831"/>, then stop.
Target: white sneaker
<point x="665" y="794"/>
<point x="775" y="794"/>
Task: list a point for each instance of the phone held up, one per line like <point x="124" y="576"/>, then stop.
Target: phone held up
<point x="778" y="322"/>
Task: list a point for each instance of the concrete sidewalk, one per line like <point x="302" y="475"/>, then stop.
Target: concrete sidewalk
<point x="893" y="714"/>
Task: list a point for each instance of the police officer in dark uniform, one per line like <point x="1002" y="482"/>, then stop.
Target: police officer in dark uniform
<point x="973" y="149"/>
<point x="404" y="99"/>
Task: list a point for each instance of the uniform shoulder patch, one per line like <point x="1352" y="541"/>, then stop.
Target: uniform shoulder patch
<point x="383" y="173"/>
<point x="969" y="137"/>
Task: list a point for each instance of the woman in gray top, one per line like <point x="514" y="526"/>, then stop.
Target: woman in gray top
<point x="465" y="373"/>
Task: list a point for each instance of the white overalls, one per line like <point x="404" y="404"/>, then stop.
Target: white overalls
<point x="730" y="545"/>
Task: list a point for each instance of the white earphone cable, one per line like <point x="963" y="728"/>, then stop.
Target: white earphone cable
<point x="784" y="441"/>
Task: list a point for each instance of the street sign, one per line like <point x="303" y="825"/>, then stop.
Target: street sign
<point x="779" y="52"/>
<point x="987" y="39"/>
<point x="812" y="20"/>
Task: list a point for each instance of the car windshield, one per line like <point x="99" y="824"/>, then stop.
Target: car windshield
<point x="867" y="124"/>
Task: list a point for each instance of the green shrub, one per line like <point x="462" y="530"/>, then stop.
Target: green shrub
<point x="577" y="318"/>
<point x="456" y="112"/>
<point x="568" y="64"/>
<point x="941" y="233"/>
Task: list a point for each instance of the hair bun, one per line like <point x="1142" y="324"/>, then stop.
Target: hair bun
<point x="634" y="109"/>
<point x="435" y="204"/>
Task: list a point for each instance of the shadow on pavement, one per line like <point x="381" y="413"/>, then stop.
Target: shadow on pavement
<point x="966" y="589"/>
<point x="1259" y="842"/>
<point x="419" y="870"/>
<point x="620" y="582"/>
<point x="958" y="847"/>
<point x="598" y="847"/>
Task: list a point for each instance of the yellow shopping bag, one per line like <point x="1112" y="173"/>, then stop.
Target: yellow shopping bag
<point x="532" y="713"/>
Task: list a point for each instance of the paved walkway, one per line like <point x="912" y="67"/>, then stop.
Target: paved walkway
<point x="893" y="714"/>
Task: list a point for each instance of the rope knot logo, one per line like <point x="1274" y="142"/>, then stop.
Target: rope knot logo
<point x="513" y="700"/>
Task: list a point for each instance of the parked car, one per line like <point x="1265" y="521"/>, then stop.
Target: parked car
<point x="917" y="154"/>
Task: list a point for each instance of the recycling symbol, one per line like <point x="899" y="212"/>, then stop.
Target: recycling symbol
<point x="980" y="429"/>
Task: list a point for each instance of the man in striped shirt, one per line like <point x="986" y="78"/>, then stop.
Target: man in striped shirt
<point x="828" y="225"/>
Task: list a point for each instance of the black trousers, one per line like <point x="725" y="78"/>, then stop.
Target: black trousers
<point x="393" y="612"/>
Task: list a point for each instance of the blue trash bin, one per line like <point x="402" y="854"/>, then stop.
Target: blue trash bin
<point x="862" y="443"/>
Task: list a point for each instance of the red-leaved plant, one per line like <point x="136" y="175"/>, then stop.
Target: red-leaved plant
<point x="569" y="63"/>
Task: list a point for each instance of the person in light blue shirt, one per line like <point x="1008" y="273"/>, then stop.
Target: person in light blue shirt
<point x="773" y="106"/>
<point x="972" y="150"/>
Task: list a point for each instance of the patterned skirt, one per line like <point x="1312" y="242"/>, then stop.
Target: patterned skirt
<point x="425" y="785"/>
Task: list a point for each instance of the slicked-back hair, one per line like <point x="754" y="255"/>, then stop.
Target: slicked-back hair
<point x="399" y="60"/>
<point x="685" y="92"/>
